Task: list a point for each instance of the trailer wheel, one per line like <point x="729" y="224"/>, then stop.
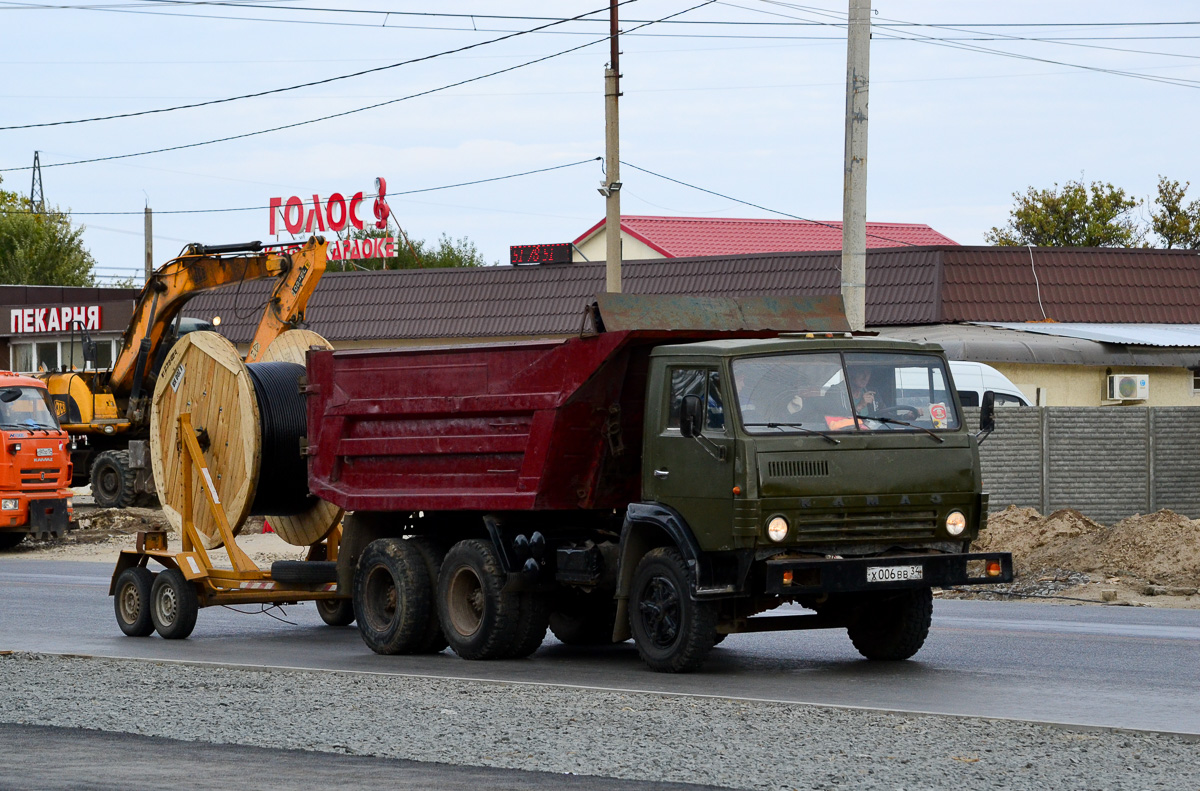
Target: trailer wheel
<point x="10" y="540"/>
<point x="391" y="596"/>
<point x="173" y="605"/>
<point x="433" y="641"/>
<point x="112" y="480"/>
<point x="336" y="612"/>
<point x="673" y="631"/>
<point x="893" y="627"/>
<point x="132" y="601"/>
<point x="533" y="618"/>
<point x="478" y="618"/>
<point x="584" y="620"/>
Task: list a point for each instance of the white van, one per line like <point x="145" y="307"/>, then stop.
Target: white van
<point x="972" y="380"/>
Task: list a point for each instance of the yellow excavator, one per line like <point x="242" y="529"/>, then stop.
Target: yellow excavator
<point x="107" y="413"/>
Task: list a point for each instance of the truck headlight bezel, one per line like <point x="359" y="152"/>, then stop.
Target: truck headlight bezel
<point x="778" y="528"/>
<point x="956" y="523"/>
<point x="8" y="504"/>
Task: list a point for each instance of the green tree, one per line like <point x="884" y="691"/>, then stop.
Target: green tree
<point x="416" y="253"/>
<point x="1174" y="224"/>
<point x="41" y="249"/>
<point x="1075" y="215"/>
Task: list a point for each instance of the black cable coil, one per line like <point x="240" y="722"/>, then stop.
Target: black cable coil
<point x="283" y="471"/>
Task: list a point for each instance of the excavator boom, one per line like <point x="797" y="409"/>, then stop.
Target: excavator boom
<point x="203" y="268"/>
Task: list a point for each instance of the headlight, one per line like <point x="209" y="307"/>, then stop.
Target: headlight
<point x="10" y="505"/>
<point x="956" y="523"/>
<point x="777" y="529"/>
<point x="70" y="502"/>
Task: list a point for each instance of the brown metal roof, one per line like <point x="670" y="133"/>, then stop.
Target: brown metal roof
<point x="1077" y="285"/>
<point x="905" y="286"/>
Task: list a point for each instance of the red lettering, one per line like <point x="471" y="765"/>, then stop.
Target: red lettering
<point x="389" y="247"/>
<point x="52" y="324"/>
<point x="354" y="220"/>
<point x="293" y="227"/>
<point x="66" y="319"/>
<point x="275" y="204"/>
<point x="333" y="252"/>
<point x="93" y="317"/>
<point x="27" y="320"/>
<point x="338" y="201"/>
<point x="317" y="211"/>
<point x="355" y="250"/>
<point x="79" y="315"/>
<point x="15" y="323"/>
<point x="39" y="320"/>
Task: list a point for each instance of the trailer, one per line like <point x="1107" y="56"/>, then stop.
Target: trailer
<point x="674" y="471"/>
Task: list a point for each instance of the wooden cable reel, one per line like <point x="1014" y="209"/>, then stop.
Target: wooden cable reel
<point x="204" y="374"/>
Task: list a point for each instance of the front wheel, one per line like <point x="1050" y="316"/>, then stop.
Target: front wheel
<point x="174" y="605"/>
<point x="892" y="626"/>
<point x="673" y="632"/>
<point x="112" y="480"/>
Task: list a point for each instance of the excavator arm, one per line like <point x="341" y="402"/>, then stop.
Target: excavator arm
<point x="203" y="268"/>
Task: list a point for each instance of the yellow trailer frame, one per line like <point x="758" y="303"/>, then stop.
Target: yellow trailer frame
<point x="245" y="583"/>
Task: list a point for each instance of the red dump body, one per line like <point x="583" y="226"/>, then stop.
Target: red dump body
<point x="544" y="425"/>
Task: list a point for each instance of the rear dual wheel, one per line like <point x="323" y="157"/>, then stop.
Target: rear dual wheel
<point x="393" y="597"/>
<point x="173" y="605"/>
<point x="131" y="601"/>
<point x="479" y="618"/>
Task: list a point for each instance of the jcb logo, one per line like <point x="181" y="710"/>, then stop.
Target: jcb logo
<point x="303" y="273"/>
<point x="60" y="408"/>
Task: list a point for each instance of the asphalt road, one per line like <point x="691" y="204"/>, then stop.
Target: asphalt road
<point x="1079" y="665"/>
<point x="57" y="759"/>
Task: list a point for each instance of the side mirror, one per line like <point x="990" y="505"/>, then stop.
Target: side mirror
<point x="691" y="416"/>
<point x="10" y="395"/>
<point x="987" y="416"/>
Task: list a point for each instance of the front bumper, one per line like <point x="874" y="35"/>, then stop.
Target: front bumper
<point x="849" y="575"/>
<point x="44" y="517"/>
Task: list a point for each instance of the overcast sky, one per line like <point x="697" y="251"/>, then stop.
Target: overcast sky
<point x="749" y="110"/>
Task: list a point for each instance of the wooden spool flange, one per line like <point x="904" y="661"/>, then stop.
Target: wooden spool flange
<point x="204" y="374"/>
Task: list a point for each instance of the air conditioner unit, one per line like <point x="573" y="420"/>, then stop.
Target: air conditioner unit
<point x="1128" y="387"/>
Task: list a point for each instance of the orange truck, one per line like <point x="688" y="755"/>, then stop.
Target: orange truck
<point x="35" y="463"/>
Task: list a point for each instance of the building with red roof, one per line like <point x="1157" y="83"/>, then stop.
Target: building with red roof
<point x="644" y="237"/>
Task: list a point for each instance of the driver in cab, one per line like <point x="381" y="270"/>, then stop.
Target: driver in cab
<point x="865" y="400"/>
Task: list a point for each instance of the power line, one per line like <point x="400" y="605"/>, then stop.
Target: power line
<point x="1176" y="81"/>
<point x="757" y="206"/>
<point x="368" y="197"/>
<point x="312" y="83"/>
<point x="348" y="112"/>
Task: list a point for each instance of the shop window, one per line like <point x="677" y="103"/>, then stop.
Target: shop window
<point x="1196" y="381"/>
<point x="47" y="355"/>
<point x="104" y="354"/>
<point x="20" y="356"/>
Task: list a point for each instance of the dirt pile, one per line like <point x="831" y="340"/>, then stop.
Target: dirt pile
<point x="1162" y="548"/>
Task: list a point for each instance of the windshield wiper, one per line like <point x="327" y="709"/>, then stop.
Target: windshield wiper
<point x="821" y="434"/>
<point x="902" y="423"/>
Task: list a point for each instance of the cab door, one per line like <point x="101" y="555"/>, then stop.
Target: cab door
<point x="685" y="473"/>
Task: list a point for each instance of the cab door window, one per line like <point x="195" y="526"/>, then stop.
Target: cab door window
<point x="702" y="382"/>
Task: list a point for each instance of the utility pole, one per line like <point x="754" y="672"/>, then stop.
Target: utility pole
<point x="611" y="189"/>
<point x="149" y="243"/>
<point x="854" y="186"/>
<point x="37" y="196"/>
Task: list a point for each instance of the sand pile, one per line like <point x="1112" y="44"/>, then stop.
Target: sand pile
<point x="1162" y="548"/>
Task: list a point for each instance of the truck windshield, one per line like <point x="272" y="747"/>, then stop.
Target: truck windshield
<point x="851" y="391"/>
<point x="27" y="408"/>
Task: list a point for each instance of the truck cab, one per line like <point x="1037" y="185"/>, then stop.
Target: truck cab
<point x="812" y="446"/>
<point x="35" y="465"/>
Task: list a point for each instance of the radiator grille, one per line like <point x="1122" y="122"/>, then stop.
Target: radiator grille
<point x="798" y="469"/>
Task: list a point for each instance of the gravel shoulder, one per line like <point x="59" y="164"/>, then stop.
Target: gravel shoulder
<point x="666" y="738"/>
